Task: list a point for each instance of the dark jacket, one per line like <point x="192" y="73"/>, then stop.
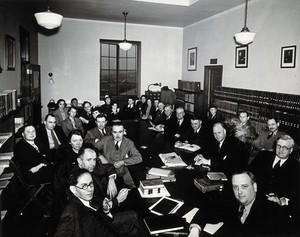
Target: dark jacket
<point x="78" y="220"/>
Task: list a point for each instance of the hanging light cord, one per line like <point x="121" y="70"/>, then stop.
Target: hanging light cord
<point x="125" y="14"/>
<point x="246" y="15"/>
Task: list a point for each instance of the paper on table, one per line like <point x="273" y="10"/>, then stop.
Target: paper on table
<point x="212" y="228"/>
<point x="190" y="215"/>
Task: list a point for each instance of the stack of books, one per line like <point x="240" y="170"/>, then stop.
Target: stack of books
<point x="165" y="175"/>
<point x="207" y="185"/>
<point x="152" y="188"/>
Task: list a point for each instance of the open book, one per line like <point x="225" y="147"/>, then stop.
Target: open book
<point x="172" y="160"/>
<point x="165" y="205"/>
<point x="187" y="146"/>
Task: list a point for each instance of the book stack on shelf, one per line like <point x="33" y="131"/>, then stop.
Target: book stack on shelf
<point x="152" y="188"/>
<point x="165" y="175"/>
<point x="261" y="105"/>
<point x="8" y="101"/>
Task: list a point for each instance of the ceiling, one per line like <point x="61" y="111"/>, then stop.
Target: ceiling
<point x="139" y="12"/>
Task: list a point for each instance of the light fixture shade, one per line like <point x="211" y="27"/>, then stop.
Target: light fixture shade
<point x="125" y="45"/>
<point x="244" y="37"/>
<point x="48" y="19"/>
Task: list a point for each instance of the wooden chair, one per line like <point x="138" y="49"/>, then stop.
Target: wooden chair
<point x="31" y="190"/>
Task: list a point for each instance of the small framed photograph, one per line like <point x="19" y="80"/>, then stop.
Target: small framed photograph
<point x="288" y="56"/>
<point x="241" y="56"/>
<point x="192" y="59"/>
<point x="10" y="52"/>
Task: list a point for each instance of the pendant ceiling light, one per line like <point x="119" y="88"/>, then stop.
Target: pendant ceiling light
<point x="48" y="19"/>
<point x="125" y="45"/>
<point x="245" y="36"/>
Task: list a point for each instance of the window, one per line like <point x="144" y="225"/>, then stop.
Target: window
<point x="119" y="70"/>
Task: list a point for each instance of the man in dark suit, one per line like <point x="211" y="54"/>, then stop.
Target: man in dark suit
<point x="119" y="151"/>
<point x="129" y="111"/>
<point x="247" y="216"/>
<point x="97" y="133"/>
<point x="51" y="136"/>
<point x="183" y="124"/>
<point x="225" y="153"/>
<point x="80" y="218"/>
<point x="278" y="176"/>
<point x="158" y="115"/>
<point x="197" y="134"/>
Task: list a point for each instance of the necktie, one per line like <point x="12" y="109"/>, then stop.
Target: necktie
<point x="55" y="141"/>
<point x="241" y="213"/>
<point x="117" y="146"/>
<point x="277" y="166"/>
<point x="35" y="147"/>
<point x="270" y="135"/>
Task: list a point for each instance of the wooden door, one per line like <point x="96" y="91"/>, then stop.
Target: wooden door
<point x="212" y="78"/>
<point x="34" y="78"/>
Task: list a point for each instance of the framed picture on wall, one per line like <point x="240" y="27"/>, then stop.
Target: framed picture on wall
<point x="10" y="52"/>
<point x="192" y="59"/>
<point x="288" y="56"/>
<point x="241" y="56"/>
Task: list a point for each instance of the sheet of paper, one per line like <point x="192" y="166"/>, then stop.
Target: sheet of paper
<point x="212" y="228"/>
<point x="190" y="215"/>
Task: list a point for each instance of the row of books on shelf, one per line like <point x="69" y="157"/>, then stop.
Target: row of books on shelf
<point x="189" y="85"/>
<point x="189" y="98"/>
<point x="227" y="106"/>
<point x="189" y="107"/>
<point x="280" y="100"/>
<point x="8" y="101"/>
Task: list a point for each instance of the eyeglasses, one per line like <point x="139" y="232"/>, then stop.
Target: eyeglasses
<point x="85" y="186"/>
<point x="284" y="148"/>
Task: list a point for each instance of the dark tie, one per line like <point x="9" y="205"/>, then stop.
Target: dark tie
<point x="103" y="131"/>
<point x="117" y="146"/>
<point x="270" y="135"/>
<point x="277" y="166"/>
<point x="241" y="212"/>
<point x="55" y="141"/>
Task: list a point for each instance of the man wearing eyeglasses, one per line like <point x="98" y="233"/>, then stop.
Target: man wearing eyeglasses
<point x="80" y="218"/>
<point x="277" y="174"/>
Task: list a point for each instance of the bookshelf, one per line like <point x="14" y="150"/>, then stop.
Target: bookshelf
<point x="190" y="97"/>
<point x="261" y="105"/>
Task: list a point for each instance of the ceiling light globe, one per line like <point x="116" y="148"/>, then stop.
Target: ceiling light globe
<point x="244" y="37"/>
<point x="48" y="19"/>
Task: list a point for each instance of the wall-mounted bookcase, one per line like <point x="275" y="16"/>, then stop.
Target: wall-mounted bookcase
<point x="190" y="97"/>
<point x="261" y="105"/>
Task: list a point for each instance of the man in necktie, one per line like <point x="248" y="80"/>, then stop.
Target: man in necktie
<point x="183" y="124"/>
<point x="51" y="136"/>
<point x="247" y="215"/>
<point x="278" y="177"/>
<point x="101" y="130"/>
<point x="267" y="139"/>
<point x="125" y="155"/>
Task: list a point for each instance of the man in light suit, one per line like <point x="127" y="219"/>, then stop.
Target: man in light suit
<point x="96" y="134"/>
<point x="119" y="151"/>
<point x="266" y="140"/>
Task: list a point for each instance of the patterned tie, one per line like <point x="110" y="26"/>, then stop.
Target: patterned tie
<point x="55" y="141"/>
<point x="103" y="131"/>
<point x="35" y="147"/>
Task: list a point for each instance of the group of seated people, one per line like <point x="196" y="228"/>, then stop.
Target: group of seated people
<point x="87" y="162"/>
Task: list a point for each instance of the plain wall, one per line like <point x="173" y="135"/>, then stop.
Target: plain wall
<point x="72" y="54"/>
<point x="276" y="24"/>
